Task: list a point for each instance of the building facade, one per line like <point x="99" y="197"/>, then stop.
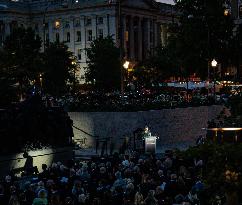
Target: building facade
<point x="140" y="28"/>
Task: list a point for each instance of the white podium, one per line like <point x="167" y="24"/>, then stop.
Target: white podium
<point x="150" y="144"/>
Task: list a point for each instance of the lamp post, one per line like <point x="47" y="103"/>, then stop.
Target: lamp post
<point x="44" y="25"/>
<point x="120" y="29"/>
<point x="214" y="64"/>
<point x="41" y="83"/>
<point x="126" y="66"/>
<point x="74" y="73"/>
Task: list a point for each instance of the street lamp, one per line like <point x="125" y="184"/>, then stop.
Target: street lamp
<point x="120" y="28"/>
<point x="126" y="64"/>
<point x="73" y="63"/>
<point x="44" y="25"/>
<point x="214" y="64"/>
<point x="41" y="83"/>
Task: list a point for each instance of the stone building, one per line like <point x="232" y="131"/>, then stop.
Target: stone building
<point x="78" y="22"/>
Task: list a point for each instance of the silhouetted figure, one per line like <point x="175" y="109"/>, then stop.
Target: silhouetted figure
<point x="28" y="166"/>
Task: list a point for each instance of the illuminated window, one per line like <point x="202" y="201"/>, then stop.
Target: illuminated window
<point x="57" y="24"/>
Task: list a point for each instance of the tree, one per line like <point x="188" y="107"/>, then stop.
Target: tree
<point x="205" y="32"/>
<point x="103" y="67"/>
<point x="60" y="69"/>
<point x="20" y="60"/>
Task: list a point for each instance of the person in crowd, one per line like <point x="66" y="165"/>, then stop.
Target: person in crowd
<point x="41" y="199"/>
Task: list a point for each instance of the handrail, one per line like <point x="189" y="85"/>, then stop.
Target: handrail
<point x="84" y="131"/>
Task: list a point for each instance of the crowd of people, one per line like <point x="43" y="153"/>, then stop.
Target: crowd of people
<point x="132" y="179"/>
<point x="137" y="100"/>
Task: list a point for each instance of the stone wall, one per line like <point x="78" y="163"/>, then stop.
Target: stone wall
<point x="175" y="127"/>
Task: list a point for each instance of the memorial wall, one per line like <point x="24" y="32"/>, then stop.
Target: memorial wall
<point x="174" y="127"/>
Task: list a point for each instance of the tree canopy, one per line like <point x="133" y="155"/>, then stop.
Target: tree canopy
<point x="103" y="66"/>
<point x="59" y="69"/>
<point x="20" y="61"/>
<point x="203" y="32"/>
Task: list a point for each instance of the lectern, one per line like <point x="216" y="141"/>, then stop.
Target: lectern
<point x="150" y="144"/>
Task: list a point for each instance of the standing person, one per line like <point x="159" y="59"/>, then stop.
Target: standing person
<point x="150" y="199"/>
<point x="138" y="198"/>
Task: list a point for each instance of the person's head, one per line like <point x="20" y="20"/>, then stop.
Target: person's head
<point x="102" y="170"/>
<point x="25" y="154"/>
<point x="44" y="166"/>
<point x="151" y="193"/>
<point x="118" y="175"/>
<point x="42" y="193"/>
<point x="55" y="199"/>
<point x="8" y="179"/>
<point x="160" y="172"/>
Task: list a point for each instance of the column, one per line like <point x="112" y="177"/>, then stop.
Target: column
<point x="61" y="30"/>
<point x="108" y="26"/>
<point x="83" y="32"/>
<point x="155" y="35"/>
<point x="131" y="37"/>
<point x="94" y="27"/>
<point x="164" y="34"/>
<point x="72" y="35"/>
<point x="113" y="27"/>
<point x="158" y="27"/>
<point x="7" y="28"/>
<point x="147" y="37"/>
<point x="148" y="33"/>
<point x="51" y="33"/>
<point x="123" y="35"/>
<point x="140" y="39"/>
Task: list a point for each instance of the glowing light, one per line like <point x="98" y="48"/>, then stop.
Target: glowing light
<point x="225" y="129"/>
<point x="57" y="24"/>
<point x="214" y="63"/>
<point x="126" y="65"/>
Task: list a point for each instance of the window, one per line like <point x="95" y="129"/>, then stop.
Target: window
<point x="57" y="37"/>
<point x="57" y="24"/>
<point x="1" y="40"/>
<point x="78" y="36"/>
<point x="88" y="21"/>
<point x="68" y="37"/>
<point x="100" y="33"/>
<point x="89" y="35"/>
<point x="100" y="20"/>
<point x="67" y="24"/>
<point x="79" y="54"/>
<point x="1" y="27"/>
<point x="77" y="22"/>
